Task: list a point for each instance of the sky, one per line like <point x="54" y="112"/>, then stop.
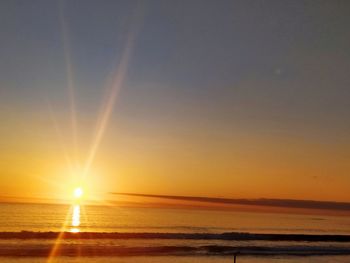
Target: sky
<point x="229" y="99"/>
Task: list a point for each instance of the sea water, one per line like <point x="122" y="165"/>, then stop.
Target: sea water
<point x="186" y="235"/>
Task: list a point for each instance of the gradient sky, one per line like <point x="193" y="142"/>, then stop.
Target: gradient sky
<point x="235" y="99"/>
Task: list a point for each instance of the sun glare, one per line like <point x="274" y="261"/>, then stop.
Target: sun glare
<point x="78" y="192"/>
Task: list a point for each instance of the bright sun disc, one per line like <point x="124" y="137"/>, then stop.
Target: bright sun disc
<point x="78" y="192"/>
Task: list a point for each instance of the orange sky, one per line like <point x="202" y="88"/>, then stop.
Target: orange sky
<point x="242" y="166"/>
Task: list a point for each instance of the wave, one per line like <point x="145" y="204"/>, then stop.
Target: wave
<point x="237" y="236"/>
<point x="210" y="250"/>
<point x="40" y="244"/>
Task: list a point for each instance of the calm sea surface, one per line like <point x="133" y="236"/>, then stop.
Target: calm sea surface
<point x="198" y="248"/>
<point x="38" y="217"/>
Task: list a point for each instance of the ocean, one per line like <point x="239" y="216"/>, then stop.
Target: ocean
<point x="63" y="233"/>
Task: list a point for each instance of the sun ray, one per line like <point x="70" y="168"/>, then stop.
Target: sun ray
<point x="63" y="145"/>
<point x="60" y="235"/>
<point x="116" y="85"/>
<point x="107" y="109"/>
<point x="70" y="83"/>
<point x="102" y="123"/>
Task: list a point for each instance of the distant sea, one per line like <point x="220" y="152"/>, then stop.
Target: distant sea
<point x="33" y="233"/>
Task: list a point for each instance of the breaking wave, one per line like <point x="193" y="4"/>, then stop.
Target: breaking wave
<point x="39" y="244"/>
<point x="192" y="236"/>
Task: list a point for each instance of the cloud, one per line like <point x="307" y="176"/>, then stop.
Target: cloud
<point x="286" y="203"/>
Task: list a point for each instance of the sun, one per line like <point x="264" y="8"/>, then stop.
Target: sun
<point x="78" y="192"/>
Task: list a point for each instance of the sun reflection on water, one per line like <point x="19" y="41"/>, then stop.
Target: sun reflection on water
<point x="74" y="230"/>
<point x="75" y="219"/>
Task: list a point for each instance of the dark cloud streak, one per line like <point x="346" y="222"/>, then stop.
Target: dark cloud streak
<point x="287" y="203"/>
